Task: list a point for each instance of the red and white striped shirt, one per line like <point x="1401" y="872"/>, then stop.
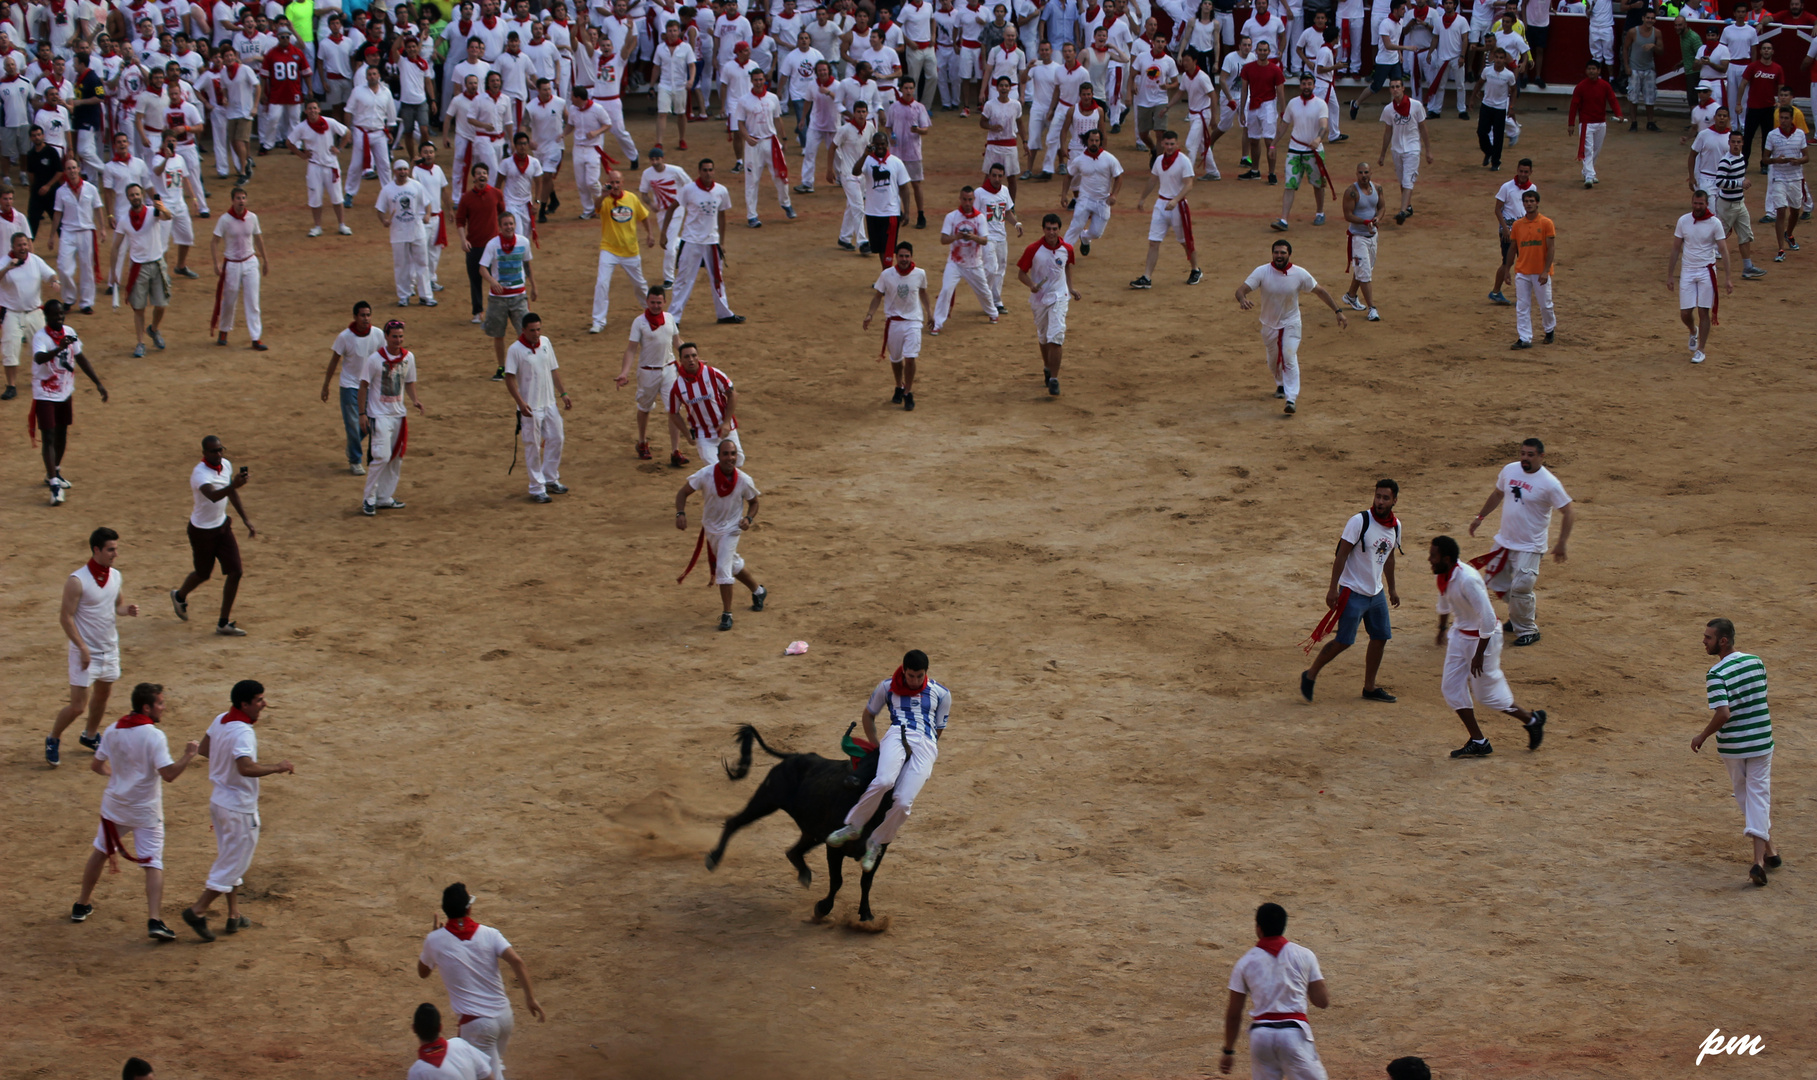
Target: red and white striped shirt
<point x="703" y="396"/>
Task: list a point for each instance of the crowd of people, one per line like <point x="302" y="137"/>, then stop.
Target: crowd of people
<point x="805" y="96"/>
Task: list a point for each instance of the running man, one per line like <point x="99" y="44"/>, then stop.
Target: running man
<point x="901" y="290"/>
<point x="1308" y="120"/>
<point x="1404" y="131"/>
<point x="134" y="756"/>
<point x="1281" y="283"/>
<point x="56" y="354"/>
<point x="652" y="350"/>
<point x="706" y="397"/>
<point x="1699" y="245"/>
<point x="1362" y="566"/>
<point x="968" y="233"/>
<point x="999" y="206"/>
<point x="1512" y="566"/>
<point x="1278" y="978"/>
<point x="1046" y="267"/>
<point x="389" y="378"/>
<point x="232" y="749"/>
<point x="211" y="533"/>
<point x="1473" y="651"/>
<point x="467" y="954"/>
<point x="730" y="499"/>
<point x="534" y="381"/>
<point x="1736" y="689"/>
<point x="1099" y="176"/>
<point x="1535" y="242"/>
<point x="1363" y="213"/>
<point x="1170" y="181"/>
<point x="89" y="617"/>
<point x="918" y="708"/>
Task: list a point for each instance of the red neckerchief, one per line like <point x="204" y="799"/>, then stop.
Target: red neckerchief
<point x="490" y="22"/>
<point x="853" y="120"/>
<point x="1444" y="579"/>
<point x="702" y="184"/>
<point x="655" y="319"/>
<point x="525" y="342"/>
<point x="126" y="157"/>
<point x="825" y="82"/>
<point x="233" y="70"/>
<point x="354" y="329"/>
<point x="992" y="190"/>
<point x="1262" y="18"/>
<point x="1283" y="269"/>
<point x="133" y="720"/>
<point x="1100" y="48"/>
<point x="433" y="1052"/>
<point x="137" y="217"/>
<point x="1055" y="246"/>
<point x="465" y="25"/>
<point x="721" y="484"/>
<point x="1092" y="12"/>
<point x="421" y="63"/>
<point x="75" y="189"/>
<point x="756" y="39"/>
<point x="389" y="360"/>
<point x="318" y="125"/>
<point x="758" y="94"/>
<point x="100" y="572"/>
<point x="237" y="215"/>
<point x="899" y="684"/>
<point x="1404" y="106"/>
<point x="1696" y="215"/>
<point x="470" y="94"/>
<point x="496" y="97"/>
<point x="902" y="272"/>
<point x="1448" y="20"/>
<point x="1093" y="152"/>
<point x="463" y="927"/>
<point x="10" y="78"/>
<point x="1787" y="130"/>
<point x="1420" y="11"/>
<point x="1522" y="184"/>
<point x="1007" y="47"/>
<point x="1272" y="945"/>
<point x="522" y="161"/>
<point x="235" y="716"/>
<point x="1074" y="66"/>
<point x="1718" y="130"/>
<point x="1392" y="522"/>
<point x="1167" y="160"/>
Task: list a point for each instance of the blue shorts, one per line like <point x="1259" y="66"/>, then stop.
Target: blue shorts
<point x="1371" y="611"/>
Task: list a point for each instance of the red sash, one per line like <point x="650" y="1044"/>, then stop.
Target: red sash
<point x="1326" y="624"/>
<point x="1185" y="226"/>
<point x="110" y="836"/>
<point x="778" y="162"/>
<point x="712" y="558"/>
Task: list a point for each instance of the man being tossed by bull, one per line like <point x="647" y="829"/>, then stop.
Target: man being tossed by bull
<point x="905" y="759"/>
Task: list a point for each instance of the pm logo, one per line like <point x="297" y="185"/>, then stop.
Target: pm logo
<point x="1734" y="1044"/>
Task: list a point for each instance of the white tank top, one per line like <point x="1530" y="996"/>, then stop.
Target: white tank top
<point x="95" y="613"/>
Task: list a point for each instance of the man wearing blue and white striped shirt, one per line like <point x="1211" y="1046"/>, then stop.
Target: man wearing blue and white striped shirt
<point x="905" y="759"/>
<point x="1737" y="690"/>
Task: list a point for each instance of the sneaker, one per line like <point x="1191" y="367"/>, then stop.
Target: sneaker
<point x="229" y="629"/>
<point x="368" y="509"/>
<point x="677" y="458"/>
<point x="1400" y="218"/>
<point x="429" y="301"/>
<point x="357" y="469"/>
<point x="1207" y="177"/>
<point x="1755" y="273"/>
<point x="725" y="621"/>
<point x="1498" y="298"/>
<point x="236" y="923"/>
<point x="1372" y="316"/>
<point x="738" y="166"/>
<point x="51" y="754"/>
<point x="88" y="309"/>
<point x="1353" y="303"/>
<point x="1697" y="358"/>
<point x="1085" y="247"/>
<point x="498" y="375"/>
<point x="1195" y="277"/>
<point x="844" y="835"/>
<point x="1551" y="337"/>
<point x="56" y="496"/>
<point x="752" y="223"/>
<point x="1462" y="115"/>
<point x="1652" y="127"/>
<point x="89" y="742"/>
<point x="1249" y="174"/>
<point x="908" y="403"/>
<point x="1693" y="347"/>
<point x="1791" y="243"/>
<point x="403" y="303"/>
<point x="1765" y="219"/>
<point x="1001" y="310"/>
<point x="759" y="597"/>
<point x="156" y="338"/>
<point x="158" y="931"/>
<point x="1777" y="258"/>
<point x="1521" y="345"/>
<point x="789" y="212"/>
<point x="920" y="220"/>
<point x="864" y="247"/>
<point x="847" y="245"/>
<point x="1527" y="639"/>
<point x="872" y="853"/>
<point x="1280" y="392"/>
<point x="731" y="320"/>
<point x="1318" y="219"/>
<point x="1474" y="748"/>
<point x="1288" y="409"/>
<point x="896" y="398"/>
<point x="260" y="346"/>
<point x="557" y="487"/>
<point x="1536" y="729"/>
<point x="1053" y="386"/>
<point x="198" y="923"/>
<point x="9" y="393"/>
<point x="804" y="189"/>
<point x="347" y="200"/>
<point x="595" y="328"/>
<point x="315" y="231"/>
<point x="80" y="912"/>
<point x="1307" y="679"/>
<point x="1341" y="138"/>
<point x="1272" y="180"/>
<point x="539" y="497"/>
<point x="1353" y="110"/>
<point x="184" y="271"/>
<point x="1379" y="694"/>
<point x="180" y="604"/>
<point x="643" y="452"/>
<point x="1142" y="283"/>
<point x="346" y="229"/>
<point x="478" y="320"/>
<point x="1279" y="225"/>
<point x="394" y="504"/>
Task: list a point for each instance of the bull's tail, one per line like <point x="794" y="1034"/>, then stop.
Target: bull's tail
<point x="745" y="737"/>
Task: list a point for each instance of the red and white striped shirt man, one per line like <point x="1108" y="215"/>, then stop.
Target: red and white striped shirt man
<point x="706" y="396"/>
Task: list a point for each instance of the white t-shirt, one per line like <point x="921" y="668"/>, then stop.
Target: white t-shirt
<point x="135" y="792"/>
<point x="1280" y="293"/>
<point x="227" y="744"/>
<point x="319" y="145"/>
<point x="535" y="383"/>
<point x="405" y="203"/>
<point x="1198" y="90"/>
<point x="758" y="115"/>
<point x="1527" y="508"/>
<point x="1304" y="118"/>
<point x="1703" y="240"/>
<point x="1173" y="174"/>
<point x="1510" y="195"/>
<point x="968" y="253"/>
<point x="1276" y="984"/>
<point x="1153" y="73"/>
<point x="1466" y="599"/>
<point x="385" y="397"/>
<point x="1406" y="138"/>
<point x="1710" y="146"/>
<point x="883" y="181"/>
<point x="996" y="206"/>
<point x="22" y="286"/>
<point x="356" y="353"/>
<point x="1002" y="116"/>
<point x="1046" y="267"/>
<point x="655" y="344"/>
<point x="461" y="1061"/>
<point x="700" y="210"/>
<point x="469" y="970"/>
<point x="55" y="381"/>
<point x="721" y="513"/>
<point x="1374" y="544"/>
<point x="517" y="179"/>
<point x="238" y="235"/>
<point x="902" y="292"/>
<point x="1095" y="174"/>
<point x="1497" y="86"/>
<point x="209" y="513"/>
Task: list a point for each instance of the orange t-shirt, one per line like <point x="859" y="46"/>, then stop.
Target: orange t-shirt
<point x="1530" y="244"/>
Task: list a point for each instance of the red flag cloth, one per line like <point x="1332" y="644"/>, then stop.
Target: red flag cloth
<point x="1328" y="623"/>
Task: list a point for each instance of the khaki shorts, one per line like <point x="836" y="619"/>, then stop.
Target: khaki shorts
<point x="1734" y="217"/>
<point x="240" y="129"/>
<point x="653" y="388"/>
<point x="150" y="286"/>
<point x="672" y="102"/>
<point x="503" y="311"/>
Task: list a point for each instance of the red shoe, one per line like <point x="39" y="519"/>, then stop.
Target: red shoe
<point x="643" y="451"/>
<point x="677" y="458"/>
<point x="682" y="145"/>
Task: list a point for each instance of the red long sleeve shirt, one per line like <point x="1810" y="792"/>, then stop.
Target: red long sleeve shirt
<point x="1592" y="102"/>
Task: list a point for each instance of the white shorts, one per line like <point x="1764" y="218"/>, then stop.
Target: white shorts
<point x="550" y="157"/>
<point x="1362" y="256"/>
<point x="707" y="446"/>
<point x="902" y="339"/>
<point x="102" y="667"/>
<point x="1164" y="219"/>
<point x="1785" y="193"/>
<point x="19" y="328"/>
<point x="1406" y="167"/>
<point x="1050" y="321"/>
<point x="653" y="388"/>
<point x="147" y="842"/>
<point x="1227" y="115"/>
<point x="1461" y="689"/>
<point x="728" y="564"/>
<point x="1004" y="156"/>
<point x="1284" y="1053"/>
<point x="672" y="102"/>
<point x="182" y="230"/>
<point x="322" y="178"/>
<point x="971" y="63"/>
<point x="1259" y="123"/>
<point x="1697" y="288"/>
<point x="236" y="838"/>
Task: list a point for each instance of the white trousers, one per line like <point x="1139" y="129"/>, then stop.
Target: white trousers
<point x="226" y="161"/>
<point x="471" y="152"/>
<point x="1527" y="291"/>
<point x="727" y="562"/>
<point x="1198" y="141"/>
<point x="902" y="772"/>
<point x="490" y="1035"/>
<point x="430" y="227"/>
<point x="277" y="122"/>
<point x="1089" y="220"/>
<point x="851" y="227"/>
<point x="632" y="265"/>
<point x="383" y="469"/>
<point x="241" y="280"/>
<point x="542" y="433"/>
<point x="410" y="269"/>
<point x="671" y="247"/>
<point x="996" y="264"/>
<point x="946" y="62"/>
<point x="89" y="154"/>
<point x="1593" y="135"/>
<point x="1040" y="117"/>
<point x="192" y="157"/>
<point x="1490" y="689"/>
<point x="1285" y="1053"/>
<point x="1283" y="349"/>
<point x="690" y="260"/>
<point x="1602" y="44"/>
<point x="949" y="285"/>
<point x="810" y="153"/>
<point x="757" y="161"/>
<point x="589" y="175"/>
<point x="1752" y="781"/>
<point x="1517" y="579"/>
<point x="1445" y="75"/>
<point x="615" y="112"/>
<point x="365" y="142"/>
<point x="76" y="266"/>
<point x="1057" y="138"/>
<point x="236" y="838"/>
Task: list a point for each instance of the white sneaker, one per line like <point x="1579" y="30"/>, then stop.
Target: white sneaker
<point x="316" y="231"/>
<point x="844" y="835"/>
<point x="357" y="469"/>
<point x="1697" y="358"/>
<point x="346" y="230"/>
<point x="872" y="853"/>
<point x="1354" y="304"/>
<point x="1693" y="343"/>
<point x="1371" y="316"/>
<point x="595" y="328"/>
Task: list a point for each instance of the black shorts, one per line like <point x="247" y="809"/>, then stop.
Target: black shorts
<point x="1381" y="73"/>
<point x="1537" y="35"/>
<point x="209" y="546"/>
<point x="54" y="414"/>
<point x="881" y="233"/>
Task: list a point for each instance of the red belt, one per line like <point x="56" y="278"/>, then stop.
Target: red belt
<point x="971" y="44"/>
<point x="922" y="44"/>
<point x="999" y="142"/>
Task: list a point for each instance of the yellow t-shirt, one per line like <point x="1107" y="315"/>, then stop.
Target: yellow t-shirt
<point x="618" y="224"/>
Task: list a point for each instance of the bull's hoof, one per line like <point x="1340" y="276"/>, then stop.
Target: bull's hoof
<point x="821" y="909"/>
<point x="712" y="861"/>
<point x="869" y="926"/>
<point x="806" y="877"/>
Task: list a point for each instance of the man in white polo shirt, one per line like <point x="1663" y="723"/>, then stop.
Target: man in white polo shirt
<point x="467" y="955"/>
<point x="1512" y="567"/>
<point x="1278" y="979"/>
<point x="211" y="533"/>
<point x="135" y="757"/>
<point x="651" y="350"/>
<point x="1281" y="282"/>
<point x="1364" y="563"/>
<point x="23" y="277"/>
<point x="232" y="750"/>
<point x="1473" y="651"/>
<point x="534" y="381"/>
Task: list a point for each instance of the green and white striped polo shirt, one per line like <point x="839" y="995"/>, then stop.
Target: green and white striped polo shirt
<point x="1739" y="680"/>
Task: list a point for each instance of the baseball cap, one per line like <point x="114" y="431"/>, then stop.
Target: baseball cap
<point x="655" y="152"/>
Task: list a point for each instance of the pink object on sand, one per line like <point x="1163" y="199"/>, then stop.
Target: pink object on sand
<point x="796" y="648"/>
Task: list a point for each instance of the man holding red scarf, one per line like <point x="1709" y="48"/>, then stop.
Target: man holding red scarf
<point x="134" y="756"/>
<point x="444" y="1059"/>
<point x="730" y="498"/>
<point x="467" y="954"/>
<point x="918" y="708"/>
<point x="389" y="377"/>
<point x="1364" y="562"/>
<point x="232" y="750"/>
<point x="1281" y="977"/>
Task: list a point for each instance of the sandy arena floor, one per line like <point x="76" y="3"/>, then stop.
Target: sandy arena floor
<point x="1112" y="583"/>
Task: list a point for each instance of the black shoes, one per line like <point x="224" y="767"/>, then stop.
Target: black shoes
<point x="198" y="923"/>
<point x="498" y="375"/>
<point x="80" y="912"/>
<point x="896" y="399"/>
<point x="908" y="403"/>
<point x="1758" y="875"/>
<point x="1280" y="392"/>
<point x="1306" y="681"/>
<point x="1142" y="283"/>
<point x="1474" y="748"/>
<point x="1550" y="336"/>
<point x="1527" y="639"/>
<point x="725" y="621"/>
<point x="1774" y="862"/>
<point x="236" y="923"/>
<point x="759" y="597"/>
<point x="89" y="742"/>
<point x="1379" y="694"/>
<point x="158" y="931"/>
<point x="846" y="245"/>
<point x="1053" y="386"/>
<point x="557" y="487"/>
<point x="731" y="319"/>
<point x="1536" y="729"/>
<point x="1195" y="277"/>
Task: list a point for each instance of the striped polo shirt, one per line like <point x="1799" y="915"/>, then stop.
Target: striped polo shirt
<point x="1739" y="680"/>
<point x="923" y="713"/>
